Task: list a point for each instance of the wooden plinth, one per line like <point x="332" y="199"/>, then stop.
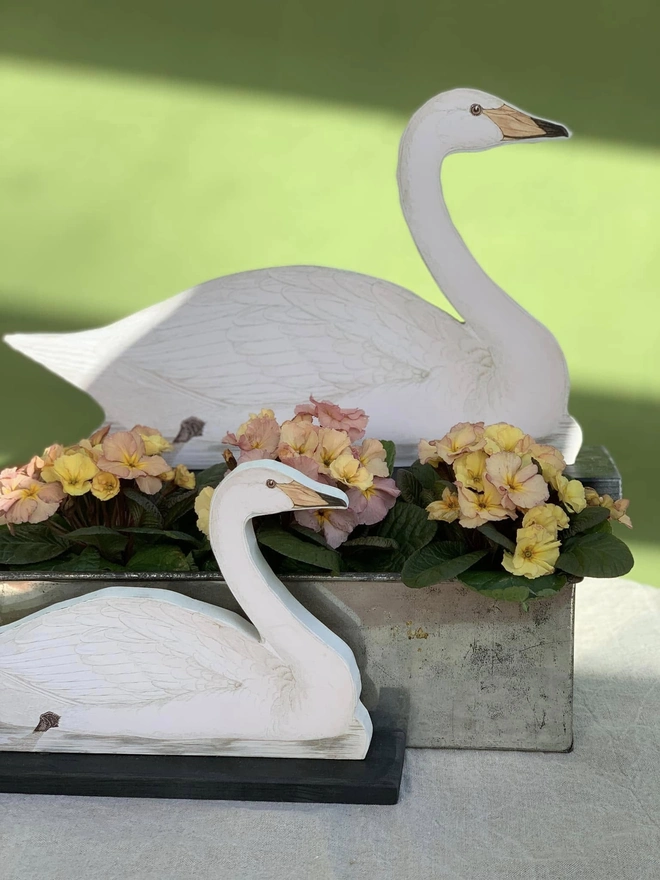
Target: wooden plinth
<point x="376" y="780"/>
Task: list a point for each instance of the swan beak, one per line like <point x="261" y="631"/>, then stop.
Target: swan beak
<point x="305" y="498"/>
<point x="516" y="125"/>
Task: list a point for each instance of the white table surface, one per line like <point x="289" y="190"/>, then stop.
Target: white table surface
<point x="593" y="813"/>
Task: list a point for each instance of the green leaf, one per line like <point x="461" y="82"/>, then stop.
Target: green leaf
<point x="29" y="544"/>
<point x="510" y="587"/>
<point x="107" y="540"/>
<point x="587" y="519"/>
<point x="144" y="507"/>
<point x="492" y="533"/>
<point x="598" y="555"/>
<point x="439" y="561"/>
<point x="161" y="533"/>
<point x="410" y="487"/>
<point x="177" y="505"/>
<point x="211" y="476"/>
<point x="390" y="454"/>
<point x="311" y="535"/>
<point x="89" y="560"/>
<point x="410" y="527"/>
<point x="425" y="473"/>
<point x="287" y="544"/>
<point x="371" y="541"/>
<point x="158" y="557"/>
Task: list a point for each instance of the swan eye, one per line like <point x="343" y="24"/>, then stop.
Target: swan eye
<point x="476" y="109"/>
<point x="271" y="484"/>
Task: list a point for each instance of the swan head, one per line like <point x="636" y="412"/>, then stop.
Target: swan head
<point x="269" y="487"/>
<point x="467" y="120"/>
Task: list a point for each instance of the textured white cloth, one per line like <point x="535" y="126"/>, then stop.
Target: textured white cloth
<point x="593" y="814"/>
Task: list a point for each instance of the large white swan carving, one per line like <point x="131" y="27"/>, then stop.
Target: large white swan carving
<point x="146" y="670"/>
<point x="270" y="337"/>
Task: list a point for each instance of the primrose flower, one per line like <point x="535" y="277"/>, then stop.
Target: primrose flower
<point x="75" y="472"/>
<point x="478" y="508"/>
<point x="298" y="438"/>
<point x="259" y="436"/>
<point x="469" y="469"/>
<point x="520" y="486"/>
<point x="154" y="442"/>
<point x="428" y="453"/>
<point x="124" y="456"/>
<point x="183" y="478"/>
<point x="571" y="493"/>
<point x="353" y="421"/>
<point x="592" y="497"/>
<point x="203" y="509"/>
<point x="537" y="551"/>
<point x="332" y="444"/>
<point x="371" y="505"/>
<point x="24" y="499"/>
<point x="551" y="461"/>
<point x="349" y="471"/>
<point x="463" y="437"/>
<point x="617" y="509"/>
<point x="447" y="510"/>
<point x="373" y="455"/>
<point x="502" y="438"/>
<point x="105" y="486"/>
<point x="335" y="525"/>
<point x="550" y="516"/>
<point x="99" y="436"/>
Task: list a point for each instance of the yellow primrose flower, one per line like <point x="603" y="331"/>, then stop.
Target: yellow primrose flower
<point x="592" y="497"/>
<point x="463" y="437"/>
<point x="75" y="472"/>
<point x="521" y="486"/>
<point x="478" y="508"/>
<point x="105" y="486"/>
<point x="203" y="509"/>
<point x="167" y="476"/>
<point x="183" y="478"/>
<point x="349" y="471"/>
<point x="470" y="468"/>
<point x="428" y="453"/>
<point x="551" y="460"/>
<point x="550" y="516"/>
<point x="264" y="414"/>
<point x="372" y="455"/>
<point x="502" y="438"/>
<point x="537" y="551"/>
<point x="298" y="438"/>
<point x="332" y="444"/>
<point x="447" y="510"/>
<point x="154" y="442"/>
<point x="571" y="493"/>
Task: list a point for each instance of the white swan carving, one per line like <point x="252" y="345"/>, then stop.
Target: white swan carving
<point x="270" y="337"/>
<point x="146" y="670"/>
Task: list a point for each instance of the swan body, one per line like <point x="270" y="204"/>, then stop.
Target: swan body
<point x="147" y="670"/>
<point x="269" y="337"/>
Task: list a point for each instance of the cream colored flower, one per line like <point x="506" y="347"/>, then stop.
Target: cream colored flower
<point x="470" y="468"/>
<point x="571" y="493"/>
<point x="332" y="444"/>
<point x="617" y="509"/>
<point x="75" y="472"/>
<point x="478" y="508"/>
<point x="463" y="437"/>
<point x="447" y="510"/>
<point x="428" y="453"/>
<point x="350" y="472"/>
<point x="203" y="509"/>
<point x="183" y="478"/>
<point x="372" y="455"/>
<point x="550" y="516"/>
<point x="154" y="442"/>
<point x="551" y="460"/>
<point x="520" y="486"/>
<point x="537" y="551"/>
<point x="298" y="438"/>
<point x="105" y="486"/>
<point x="502" y="438"/>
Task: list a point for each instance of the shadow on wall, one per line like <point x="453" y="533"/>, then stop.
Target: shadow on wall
<point x="40" y="409"/>
<point x="591" y="65"/>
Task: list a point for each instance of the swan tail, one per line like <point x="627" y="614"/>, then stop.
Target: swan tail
<point x="72" y="356"/>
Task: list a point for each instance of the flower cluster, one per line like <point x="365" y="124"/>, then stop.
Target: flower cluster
<point x="321" y="441"/>
<point x="95" y="466"/>
<point x="497" y="474"/>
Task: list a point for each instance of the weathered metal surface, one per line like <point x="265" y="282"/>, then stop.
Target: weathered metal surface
<point x="454" y="669"/>
<point x="595" y="467"/>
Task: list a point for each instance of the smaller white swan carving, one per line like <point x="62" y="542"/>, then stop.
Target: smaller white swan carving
<point x="143" y="669"/>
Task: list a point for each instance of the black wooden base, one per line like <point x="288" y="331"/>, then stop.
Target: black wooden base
<point x="376" y="780"/>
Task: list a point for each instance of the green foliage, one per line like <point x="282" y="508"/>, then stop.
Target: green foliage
<point x="438" y="561"/>
<point x="109" y="541"/>
<point x="598" y="555"/>
<point x="290" y="545"/>
<point x="143" y="508"/>
<point x="140" y="531"/>
<point x="29" y="544"/>
<point x="426" y="474"/>
<point x="587" y="519"/>
<point x="508" y="587"/>
<point x="159" y="557"/>
<point x="493" y="534"/>
<point x="409" y="526"/>
<point x="390" y="454"/>
<point x="210" y="477"/>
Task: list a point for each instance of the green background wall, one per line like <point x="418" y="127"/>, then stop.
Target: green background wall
<point x="148" y="146"/>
